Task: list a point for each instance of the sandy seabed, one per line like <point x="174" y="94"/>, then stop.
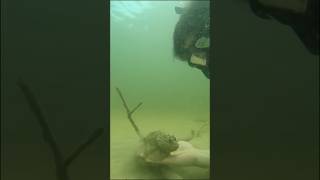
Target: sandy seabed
<point x="124" y="142"/>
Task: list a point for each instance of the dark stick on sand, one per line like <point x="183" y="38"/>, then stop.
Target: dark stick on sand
<point x="61" y="171"/>
<point x="61" y="164"/>
<point x="82" y="146"/>
<point x="129" y="113"/>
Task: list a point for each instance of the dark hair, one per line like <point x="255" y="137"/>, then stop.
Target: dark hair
<point x="190" y="24"/>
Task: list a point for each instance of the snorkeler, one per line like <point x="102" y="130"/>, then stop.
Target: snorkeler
<point x="185" y="155"/>
<point x="191" y="41"/>
<point x="191" y="35"/>
<point x="301" y="15"/>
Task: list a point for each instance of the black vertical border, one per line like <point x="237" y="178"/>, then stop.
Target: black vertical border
<point x="107" y="37"/>
<point x="212" y="92"/>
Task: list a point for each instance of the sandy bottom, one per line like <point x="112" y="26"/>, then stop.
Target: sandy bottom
<point x="124" y="143"/>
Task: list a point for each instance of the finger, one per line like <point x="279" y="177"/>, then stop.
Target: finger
<point x="153" y="162"/>
<point x="149" y="160"/>
<point x="174" y="153"/>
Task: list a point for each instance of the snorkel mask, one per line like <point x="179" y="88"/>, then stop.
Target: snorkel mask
<point x="201" y="64"/>
<point x="202" y="45"/>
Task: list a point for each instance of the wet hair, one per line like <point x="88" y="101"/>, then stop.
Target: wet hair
<point x="188" y="28"/>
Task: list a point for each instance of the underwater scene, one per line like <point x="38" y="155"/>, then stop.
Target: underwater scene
<point x="159" y="108"/>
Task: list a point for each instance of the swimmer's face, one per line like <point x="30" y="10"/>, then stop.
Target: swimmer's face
<point x="199" y="55"/>
<point x="191" y="49"/>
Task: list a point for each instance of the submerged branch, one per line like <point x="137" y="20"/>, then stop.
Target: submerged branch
<point x="129" y="113"/>
<point x="97" y="133"/>
<point x="46" y="132"/>
<point x="134" y="109"/>
<point x="60" y="164"/>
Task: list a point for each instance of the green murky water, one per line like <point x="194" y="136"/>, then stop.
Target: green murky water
<point x="175" y="97"/>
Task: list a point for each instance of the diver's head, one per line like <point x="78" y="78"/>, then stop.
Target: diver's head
<point x="191" y="36"/>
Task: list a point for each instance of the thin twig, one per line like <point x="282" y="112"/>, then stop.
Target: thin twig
<point x="46" y="132"/>
<point x="129" y="113"/>
<point x="200" y="129"/>
<point x="61" y="165"/>
<point x="82" y="146"/>
<point x="134" y="109"/>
